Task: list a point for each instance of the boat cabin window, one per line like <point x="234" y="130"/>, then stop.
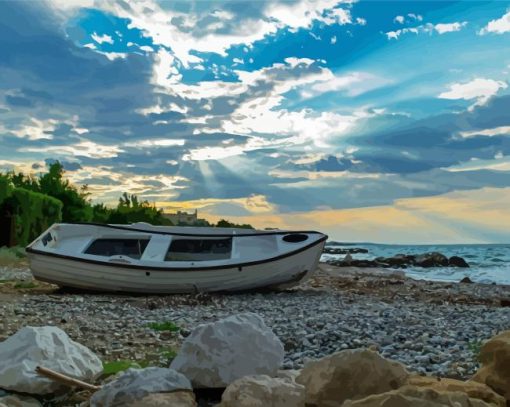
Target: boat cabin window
<point x="199" y="249"/>
<point x="133" y="248"/>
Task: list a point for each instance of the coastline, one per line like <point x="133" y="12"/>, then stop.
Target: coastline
<point x="432" y="327"/>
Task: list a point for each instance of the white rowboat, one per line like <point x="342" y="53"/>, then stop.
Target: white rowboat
<point x="165" y="259"/>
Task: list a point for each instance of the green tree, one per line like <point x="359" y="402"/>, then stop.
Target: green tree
<point x="76" y="207"/>
<point x="226" y="224"/>
<point x="130" y="209"/>
<point x="21" y="180"/>
<point x="101" y="213"/>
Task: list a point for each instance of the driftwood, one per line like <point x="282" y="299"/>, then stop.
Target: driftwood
<point x="66" y="380"/>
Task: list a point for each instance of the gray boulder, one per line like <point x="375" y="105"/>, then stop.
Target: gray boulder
<point x="216" y="354"/>
<point x="135" y="384"/>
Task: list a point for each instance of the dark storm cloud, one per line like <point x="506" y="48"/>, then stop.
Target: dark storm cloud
<point x="435" y="141"/>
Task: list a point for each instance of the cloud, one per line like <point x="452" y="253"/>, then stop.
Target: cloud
<point x="224" y="151"/>
<point x="254" y="108"/>
<point x="497" y="131"/>
<point x="155" y="143"/>
<point x="250" y="205"/>
<point x="451" y="27"/>
<point x="481" y="89"/>
<point x="498" y="26"/>
<point x="428" y="28"/>
<point x="106" y="183"/>
<point x="258" y="114"/>
<point x="17" y="165"/>
<point x="478" y="216"/>
<point x="83" y="149"/>
<point x="411" y="17"/>
<point x="354" y="84"/>
<point x="267" y="127"/>
<point x="399" y="19"/>
<point x="501" y="163"/>
<point x="105" y="38"/>
<point x="206" y="29"/>
<point x="36" y="129"/>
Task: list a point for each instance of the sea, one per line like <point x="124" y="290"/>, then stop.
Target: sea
<point x="489" y="263"/>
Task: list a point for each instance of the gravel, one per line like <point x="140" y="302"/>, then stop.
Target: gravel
<point x="433" y="328"/>
<point x="440" y="339"/>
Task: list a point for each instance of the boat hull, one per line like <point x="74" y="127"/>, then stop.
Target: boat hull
<point x="280" y="273"/>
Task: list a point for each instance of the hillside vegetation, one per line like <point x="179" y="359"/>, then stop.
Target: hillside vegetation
<point x="32" y="204"/>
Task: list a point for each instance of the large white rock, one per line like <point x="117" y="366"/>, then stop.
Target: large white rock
<point x="135" y="384"/>
<point x="263" y="391"/>
<point x="216" y="354"/>
<point x="45" y="346"/>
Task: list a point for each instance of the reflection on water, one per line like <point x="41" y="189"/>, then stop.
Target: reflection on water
<point x="489" y="263"/>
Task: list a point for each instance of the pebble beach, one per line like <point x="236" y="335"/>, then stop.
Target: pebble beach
<point x="432" y="327"/>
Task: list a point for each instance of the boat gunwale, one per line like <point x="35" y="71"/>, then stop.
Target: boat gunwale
<point x="160" y="232"/>
<point x="29" y="249"/>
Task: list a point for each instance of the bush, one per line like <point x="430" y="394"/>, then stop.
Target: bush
<point x="12" y="256"/>
<point x="226" y="224"/>
<point x="75" y="208"/>
<point x="34" y="213"/>
<point x="5" y="188"/>
<point x="37" y="202"/>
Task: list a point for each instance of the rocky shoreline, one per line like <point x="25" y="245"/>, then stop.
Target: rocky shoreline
<point x="425" y="260"/>
<point x="431" y="327"/>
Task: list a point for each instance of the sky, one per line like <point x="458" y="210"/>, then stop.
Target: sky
<point x="368" y="120"/>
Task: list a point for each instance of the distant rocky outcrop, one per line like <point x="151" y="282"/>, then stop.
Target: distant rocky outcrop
<point x="456" y="261"/>
<point x="337" y="250"/>
<point x="426" y="260"/>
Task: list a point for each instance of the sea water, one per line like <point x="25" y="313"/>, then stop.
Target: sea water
<point x="488" y="263"/>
